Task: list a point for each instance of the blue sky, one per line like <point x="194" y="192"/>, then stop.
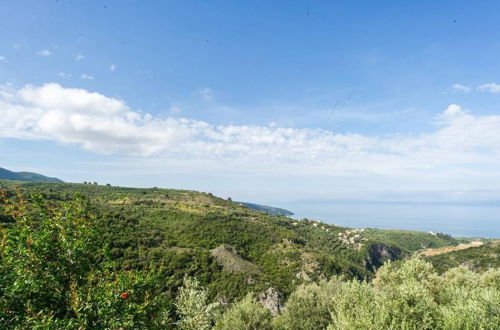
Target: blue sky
<point x="259" y="100"/>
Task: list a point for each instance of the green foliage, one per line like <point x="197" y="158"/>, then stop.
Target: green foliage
<point x="309" y="307"/>
<point x="194" y="307"/>
<point x="355" y="307"/>
<point x="408" y="296"/>
<point x="247" y="314"/>
<point x="469" y="299"/>
<point x="175" y="230"/>
<point x="479" y="258"/>
<point x="122" y="258"/>
<point x="410" y="241"/>
<point x="48" y="252"/>
<point x="54" y="271"/>
<point x="267" y="209"/>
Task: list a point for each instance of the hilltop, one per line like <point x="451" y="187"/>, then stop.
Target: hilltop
<point x="26" y="176"/>
<point x="267" y="209"/>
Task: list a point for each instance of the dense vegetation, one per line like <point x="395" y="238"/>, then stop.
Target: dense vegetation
<point x="149" y="258"/>
<point x="267" y="209"/>
<point x="479" y="259"/>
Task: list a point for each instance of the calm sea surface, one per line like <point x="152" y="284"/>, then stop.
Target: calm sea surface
<point x="457" y="220"/>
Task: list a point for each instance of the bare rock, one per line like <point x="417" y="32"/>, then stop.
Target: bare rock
<point x="272" y="300"/>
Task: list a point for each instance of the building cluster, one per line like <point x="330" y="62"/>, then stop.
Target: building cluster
<point x="352" y="238"/>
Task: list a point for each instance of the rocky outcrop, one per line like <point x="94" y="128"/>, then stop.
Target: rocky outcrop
<point x="272" y="300"/>
<point x="229" y="258"/>
<point x="378" y="254"/>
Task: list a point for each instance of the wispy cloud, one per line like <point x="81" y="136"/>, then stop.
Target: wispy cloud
<point x="206" y="94"/>
<point x="3" y="58"/>
<point x="65" y="75"/>
<point x="79" y="57"/>
<point x="86" y="77"/>
<point x="460" y="88"/>
<point x="490" y="88"/>
<point x="112" y="67"/>
<point x="44" y="52"/>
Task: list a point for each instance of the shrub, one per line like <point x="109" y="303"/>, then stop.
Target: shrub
<point x="247" y="314"/>
<point x="54" y="273"/>
<point x="194" y="308"/>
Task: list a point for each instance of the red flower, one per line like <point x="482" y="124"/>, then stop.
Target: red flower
<point x="29" y="242"/>
<point x="124" y="295"/>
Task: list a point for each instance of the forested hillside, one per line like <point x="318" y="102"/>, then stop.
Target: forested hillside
<point x="180" y="230"/>
<point x="267" y="209"/>
<point x="174" y="258"/>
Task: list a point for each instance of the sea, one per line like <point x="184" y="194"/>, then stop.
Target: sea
<point x="460" y="220"/>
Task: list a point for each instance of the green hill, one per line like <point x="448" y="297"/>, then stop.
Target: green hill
<point x="478" y="258"/>
<point x="267" y="209"/>
<point x="26" y="176"/>
<point x="184" y="230"/>
<point x="75" y="256"/>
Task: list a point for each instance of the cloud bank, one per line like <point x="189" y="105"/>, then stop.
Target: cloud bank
<point x="461" y="143"/>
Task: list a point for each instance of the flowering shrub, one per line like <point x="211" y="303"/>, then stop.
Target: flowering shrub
<point x="54" y="271"/>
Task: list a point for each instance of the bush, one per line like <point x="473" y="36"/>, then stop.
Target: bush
<point x="54" y="273"/>
<point x="247" y="314"/>
<point x="194" y="308"/>
<point x="310" y="306"/>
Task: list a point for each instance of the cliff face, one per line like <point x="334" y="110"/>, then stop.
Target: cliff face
<point x="378" y="254"/>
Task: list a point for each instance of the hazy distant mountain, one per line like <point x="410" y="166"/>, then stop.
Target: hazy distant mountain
<point x="26" y="176"/>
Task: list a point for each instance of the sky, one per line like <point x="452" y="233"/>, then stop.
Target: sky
<point x="262" y="101"/>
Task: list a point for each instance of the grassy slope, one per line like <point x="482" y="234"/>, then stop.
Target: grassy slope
<point x="409" y="240"/>
<point x="177" y="229"/>
<point x="479" y="258"/>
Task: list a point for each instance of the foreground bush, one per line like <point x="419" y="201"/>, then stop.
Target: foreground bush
<point x="54" y="272"/>
<point x="246" y="314"/>
<point x="405" y="296"/>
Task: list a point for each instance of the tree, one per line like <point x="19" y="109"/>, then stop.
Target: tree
<point x="194" y="307"/>
<point x="247" y="314"/>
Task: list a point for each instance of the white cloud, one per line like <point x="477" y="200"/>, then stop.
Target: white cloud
<point x="490" y="88"/>
<point x="79" y="57"/>
<point x="3" y="58"/>
<point x="462" y="143"/>
<point x="112" y="67"/>
<point x="86" y="77"/>
<point x="91" y="120"/>
<point x="44" y="52"/>
<point x="206" y="94"/>
<point x="65" y="75"/>
<point x="460" y="88"/>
